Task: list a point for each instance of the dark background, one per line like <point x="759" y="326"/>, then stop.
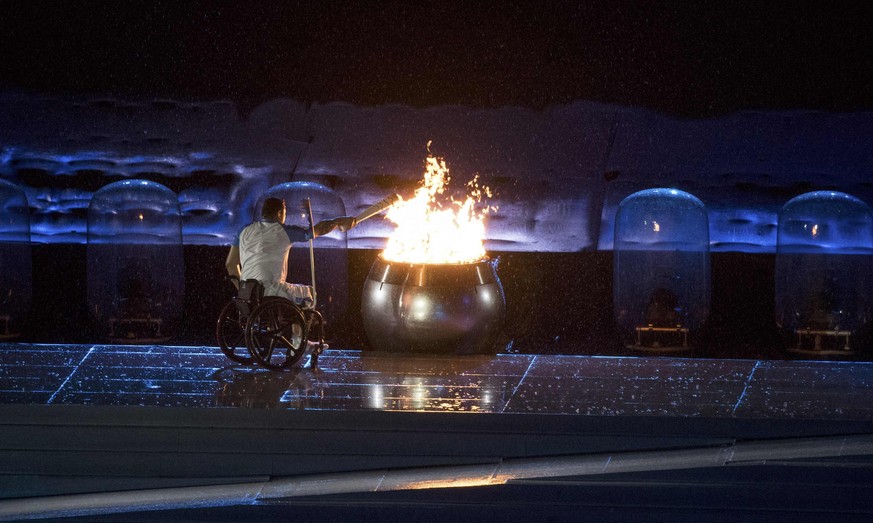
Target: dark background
<point x="690" y="59"/>
<point x="558" y="303"/>
<point x="686" y="58"/>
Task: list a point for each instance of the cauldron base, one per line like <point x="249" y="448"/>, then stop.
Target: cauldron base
<point x="422" y="308"/>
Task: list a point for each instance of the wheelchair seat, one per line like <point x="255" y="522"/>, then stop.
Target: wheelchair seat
<point x="249" y="296"/>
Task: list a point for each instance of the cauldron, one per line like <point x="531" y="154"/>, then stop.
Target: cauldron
<point x="434" y="308"/>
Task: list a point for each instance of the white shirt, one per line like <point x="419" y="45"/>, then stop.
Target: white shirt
<point x="263" y="250"/>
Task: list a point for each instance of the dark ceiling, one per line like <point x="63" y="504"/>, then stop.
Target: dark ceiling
<point x="697" y="60"/>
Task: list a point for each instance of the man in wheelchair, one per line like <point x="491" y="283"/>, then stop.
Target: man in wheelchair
<point x="260" y="252"/>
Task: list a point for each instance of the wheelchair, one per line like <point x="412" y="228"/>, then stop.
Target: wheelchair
<point x="270" y="331"/>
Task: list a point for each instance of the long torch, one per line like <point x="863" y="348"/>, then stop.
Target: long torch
<point x="311" y="249"/>
<point x="376" y="208"/>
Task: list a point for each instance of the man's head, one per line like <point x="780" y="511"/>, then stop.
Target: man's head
<point x="273" y="209"/>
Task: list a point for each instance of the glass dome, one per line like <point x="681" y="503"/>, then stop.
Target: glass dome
<point x="16" y="285"/>
<point x="331" y="250"/>
<point x="136" y="270"/>
<point x="661" y="284"/>
<point x="824" y="271"/>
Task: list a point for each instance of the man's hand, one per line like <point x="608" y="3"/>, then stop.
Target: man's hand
<point x="342" y="223"/>
<point x="345" y="223"/>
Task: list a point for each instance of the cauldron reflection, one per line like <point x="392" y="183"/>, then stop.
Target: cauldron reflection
<point x="434" y="308"/>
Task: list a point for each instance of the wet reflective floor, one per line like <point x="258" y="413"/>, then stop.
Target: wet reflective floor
<point x="177" y="376"/>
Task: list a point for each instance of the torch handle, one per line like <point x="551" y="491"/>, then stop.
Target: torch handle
<point x="311" y="249"/>
<point x="376" y="208"/>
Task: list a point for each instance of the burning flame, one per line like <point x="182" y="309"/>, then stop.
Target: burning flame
<point x="434" y="228"/>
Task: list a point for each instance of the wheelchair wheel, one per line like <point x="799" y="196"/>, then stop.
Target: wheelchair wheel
<point x="230" y="332"/>
<point x="276" y="334"/>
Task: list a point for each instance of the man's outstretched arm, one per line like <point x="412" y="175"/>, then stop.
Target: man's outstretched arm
<point x="342" y="223"/>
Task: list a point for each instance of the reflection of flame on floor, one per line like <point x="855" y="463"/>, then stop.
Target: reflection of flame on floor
<point x="390" y="383"/>
<point x="417" y="393"/>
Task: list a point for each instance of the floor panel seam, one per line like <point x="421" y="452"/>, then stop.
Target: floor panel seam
<point x="745" y="388"/>
<point x="70" y="375"/>
<point x="520" y="381"/>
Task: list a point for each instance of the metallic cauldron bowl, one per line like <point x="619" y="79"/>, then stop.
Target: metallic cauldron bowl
<point x="433" y="308"/>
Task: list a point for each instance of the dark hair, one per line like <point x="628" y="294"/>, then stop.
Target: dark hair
<point x="272" y="207"/>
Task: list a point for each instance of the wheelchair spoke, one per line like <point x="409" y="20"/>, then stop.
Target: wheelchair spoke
<point x="289" y="344"/>
<point x="239" y="340"/>
<point x="272" y="344"/>
<point x="267" y="353"/>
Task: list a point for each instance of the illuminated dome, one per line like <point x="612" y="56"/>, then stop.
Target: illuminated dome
<point x="136" y="271"/>
<point x="331" y="251"/>
<point x="661" y="280"/>
<point x="823" y="272"/>
<point x="16" y="284"/>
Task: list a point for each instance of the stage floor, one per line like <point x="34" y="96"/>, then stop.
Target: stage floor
<point x="350" y="380"/>
<point x="168" y="433"/>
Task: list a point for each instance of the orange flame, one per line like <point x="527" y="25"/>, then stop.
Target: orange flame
<point x="432" y="227"/>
